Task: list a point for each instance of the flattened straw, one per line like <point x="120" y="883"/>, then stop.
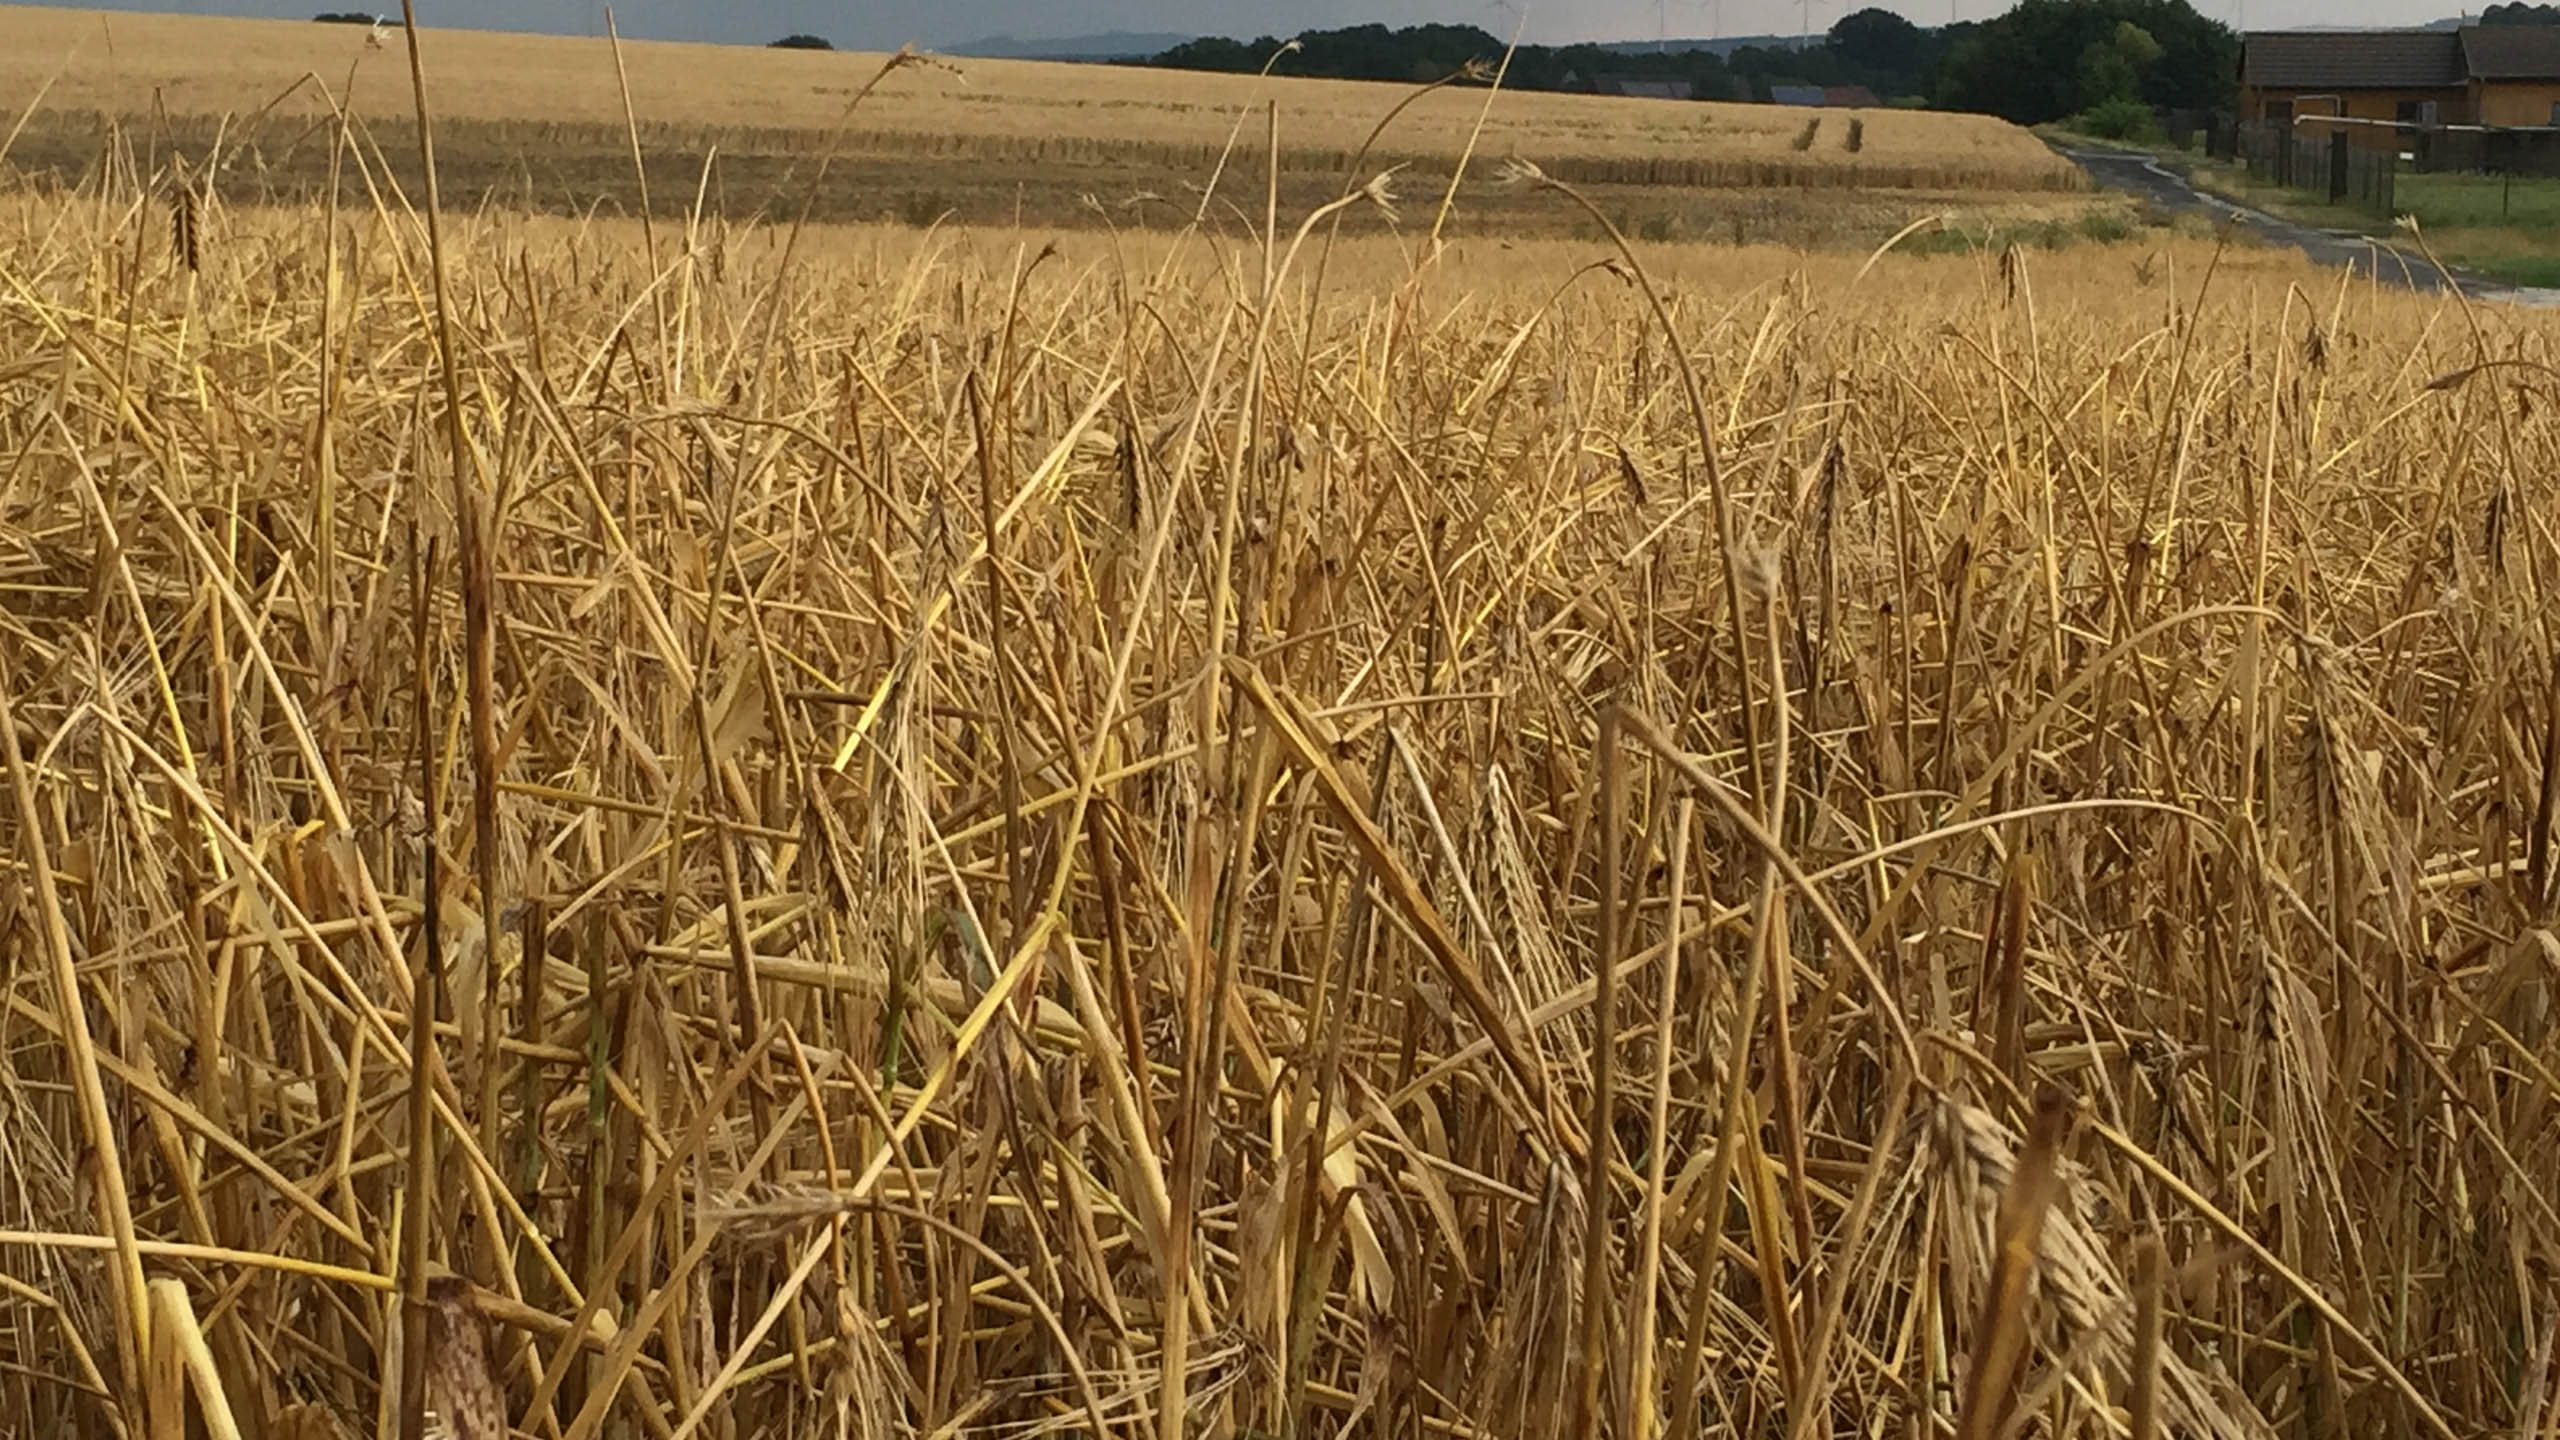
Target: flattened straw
<point x="460" y="1380"/>
<point x="426" y="985"/>
<point x="1645" y="1417"/>
<point x="2149" y="1281"/>
<point x="1438" y="940"/>
<point x="181" y="1348"/>
<point x="1887" y="1006"/>
<point x="2292" y="1279"/>
<point x="1728" y="536"/>
<point x="115" y="1210"/>
<point x="2001" y="1342"/>
<point x="648" y="215"/>
<point x="1591" y="1407"/>
<point x="472" y="517"/>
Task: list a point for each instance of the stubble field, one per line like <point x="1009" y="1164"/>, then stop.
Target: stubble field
<point x="1224" y="833"/>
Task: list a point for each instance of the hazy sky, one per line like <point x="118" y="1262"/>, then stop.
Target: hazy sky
<point x="886" y="24"/>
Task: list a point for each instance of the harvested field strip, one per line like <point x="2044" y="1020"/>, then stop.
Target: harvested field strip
<point x="297" y="153"/>
<point x="276" y="78"/>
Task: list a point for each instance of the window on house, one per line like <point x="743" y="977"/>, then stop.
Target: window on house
<point x="2280" y="111"/>
<point x="2555" y="112"/>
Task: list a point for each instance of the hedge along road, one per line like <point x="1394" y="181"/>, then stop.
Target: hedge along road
<point x="2138" y="174"/>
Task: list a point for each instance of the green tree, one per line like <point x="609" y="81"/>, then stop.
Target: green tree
<point x="2047" y="59"/>
<point x="1878" y="39"/>
<point x="1885" y="52"/>
<point x="2105" y="76"/>
<point x="2111" y="70"/>
<point x="1213" y="52"/>
<point x="1419" y="54"/>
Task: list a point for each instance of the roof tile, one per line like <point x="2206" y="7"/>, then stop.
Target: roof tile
<point x="2512" y="52"/>
<point x="2353" y="59"/>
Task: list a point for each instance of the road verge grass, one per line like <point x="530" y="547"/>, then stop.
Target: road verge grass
<point x="2481" y="224"/>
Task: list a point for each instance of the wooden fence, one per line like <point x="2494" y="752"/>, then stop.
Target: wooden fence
<point x="2321" y="161"/>
<point x="2533" y="152"/>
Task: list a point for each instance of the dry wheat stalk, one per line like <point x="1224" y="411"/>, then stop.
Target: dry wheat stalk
<point x="1061" y="755"/>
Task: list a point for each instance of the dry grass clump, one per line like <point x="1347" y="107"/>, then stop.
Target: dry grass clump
<point x="1179" y="836"/>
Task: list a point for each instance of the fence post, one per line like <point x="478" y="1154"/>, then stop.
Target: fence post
<point x="2338" y="165"/>
<point x="2284" y="156"/>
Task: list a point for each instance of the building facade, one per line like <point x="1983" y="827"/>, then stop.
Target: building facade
<point x="2502" y="75"/>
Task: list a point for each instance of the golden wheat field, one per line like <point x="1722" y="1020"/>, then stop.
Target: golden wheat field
<point x="753" y="830"/>
<point x="544" y="122"/>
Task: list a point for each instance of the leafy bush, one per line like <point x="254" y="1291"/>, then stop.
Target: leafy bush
<point x="803" y="42"/>
<point x="2106" y="227"/>
<point x="1945" y="240"/>
<point x="2117" y="120"/>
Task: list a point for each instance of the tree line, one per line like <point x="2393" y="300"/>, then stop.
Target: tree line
<point x="1420" y="54"/>
<point x="2045" y="60"/>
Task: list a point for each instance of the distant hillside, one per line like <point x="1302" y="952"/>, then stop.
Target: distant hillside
<point x="1113" y="45"/>
<point x="1722" y="48"/>
<point x="2453" y="23"/>
<point x="1124" y="45"/>
<point x="1901" y="62"/>
<point x="2515" y="12"/>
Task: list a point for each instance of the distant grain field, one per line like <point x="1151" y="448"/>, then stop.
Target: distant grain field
<point x="541" y="120"/>
<point x="727" y="830"/>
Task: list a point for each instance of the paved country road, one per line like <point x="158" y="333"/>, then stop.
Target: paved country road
<point x="2139" y="174"/>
